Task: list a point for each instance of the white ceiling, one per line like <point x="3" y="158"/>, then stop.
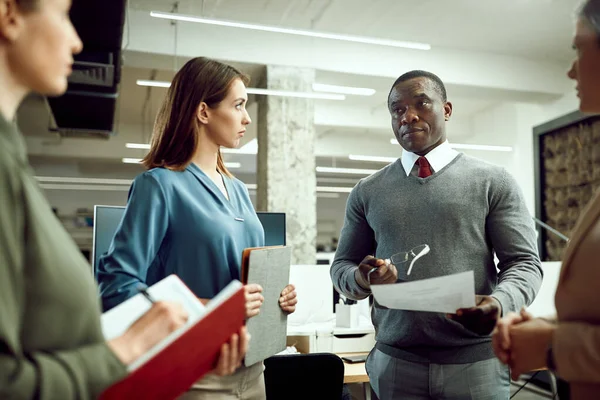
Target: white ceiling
<point x="537" y="29"/>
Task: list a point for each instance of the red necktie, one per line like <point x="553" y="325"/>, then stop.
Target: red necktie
<point x="424" y="167"/>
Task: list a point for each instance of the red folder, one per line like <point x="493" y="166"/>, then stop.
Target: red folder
<point x="172" y="371"/>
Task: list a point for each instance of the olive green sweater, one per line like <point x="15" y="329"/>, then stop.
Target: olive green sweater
<point x="51" y="343"/>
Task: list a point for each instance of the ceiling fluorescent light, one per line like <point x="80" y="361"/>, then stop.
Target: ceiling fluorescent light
<point x="289" y="31"/>
<point x="127" y="160"/>
<point x="303" y="95"/>
<point x="321" y="87"/>
<point x="145" y="82"/>
<point x="143" y="146"/>
<point x="233" y="165"/>
<point x="350" y="171"/>
<point x="258" y="91"/>
<point x="388" y="160"/>
<point x="351" y="181"/>
<point x="249" y="148"/>
<point x="333" y="189"/>
<point x="484" y="147"/>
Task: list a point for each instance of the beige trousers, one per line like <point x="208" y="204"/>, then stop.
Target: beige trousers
<point x="247" y="383"/>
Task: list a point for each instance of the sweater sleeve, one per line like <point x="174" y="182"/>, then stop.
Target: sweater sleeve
<point x="136" y="242"/>
<point x="513" y="237"/>
<point x="82" y="372"/>
<point x="356" y="241"/>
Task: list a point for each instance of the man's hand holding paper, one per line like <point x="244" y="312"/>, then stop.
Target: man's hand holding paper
<point x="482" y="318"/>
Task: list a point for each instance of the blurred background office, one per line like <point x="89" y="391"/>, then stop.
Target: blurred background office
<point x="504" y="64"/>
<point x="320" y="75"/>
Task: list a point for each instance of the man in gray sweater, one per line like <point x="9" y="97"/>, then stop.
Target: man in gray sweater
<point x="467" y="211"/>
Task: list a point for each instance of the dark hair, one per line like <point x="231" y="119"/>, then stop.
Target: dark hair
<point x="439" y="85"/>
<point x="591" y="13"/>
<point x="175" y="134"/>
<point x="27" y="5"/>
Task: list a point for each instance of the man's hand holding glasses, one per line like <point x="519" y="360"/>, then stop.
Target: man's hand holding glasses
<point x="375" y="271"/>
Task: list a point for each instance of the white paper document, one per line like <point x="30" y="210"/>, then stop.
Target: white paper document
<point x="443" y="294"/>
<point x="118" y="319"/>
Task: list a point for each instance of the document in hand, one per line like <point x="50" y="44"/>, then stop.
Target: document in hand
<point x="173" y="365"/>
<point x="270" y="268"/>
<point x="443" y="294"/>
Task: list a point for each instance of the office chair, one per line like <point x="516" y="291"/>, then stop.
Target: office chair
<point x="304" y="376"/>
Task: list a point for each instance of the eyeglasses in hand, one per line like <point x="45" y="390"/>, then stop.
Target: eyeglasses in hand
<point x="412" y="255"/>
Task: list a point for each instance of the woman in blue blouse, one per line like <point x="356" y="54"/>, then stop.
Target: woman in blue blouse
<point x="187" y="215"/>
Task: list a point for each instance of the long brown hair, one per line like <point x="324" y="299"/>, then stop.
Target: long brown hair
<point x="175" y="134"/>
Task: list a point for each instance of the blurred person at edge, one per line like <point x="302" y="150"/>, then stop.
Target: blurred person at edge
<point x="51" y="342"/>
<point x="569" y="342"/>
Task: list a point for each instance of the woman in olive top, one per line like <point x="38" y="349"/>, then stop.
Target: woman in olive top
<point x="187" y="214"/>
<point x="51" y="343"/>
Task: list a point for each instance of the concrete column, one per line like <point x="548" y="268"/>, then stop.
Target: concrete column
<point x="286" y="158"/>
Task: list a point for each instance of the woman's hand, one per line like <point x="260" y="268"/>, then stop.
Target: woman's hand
<point x="288" y="299"/>
<point x="529" y="343"/>
<point x="254" y="299"/>
<point x="501" y="333"/>
<point x="156" y="324"/>
<point x="232" y="353"/>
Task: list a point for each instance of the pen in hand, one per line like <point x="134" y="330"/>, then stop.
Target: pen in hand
<point x="147" y="295"/>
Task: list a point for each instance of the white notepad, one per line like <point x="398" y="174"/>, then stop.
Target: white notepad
<point x="116" y="320"/>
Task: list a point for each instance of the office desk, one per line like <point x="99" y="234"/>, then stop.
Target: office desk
<point x="357" y="374"/>
<point x="326" y="337"/>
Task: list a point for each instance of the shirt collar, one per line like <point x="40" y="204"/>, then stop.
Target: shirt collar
<point x="438" y="158"/>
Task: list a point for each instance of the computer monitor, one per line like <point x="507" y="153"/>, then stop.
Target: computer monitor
<point x="274" y="225"/>
<point x="106" y="221"/>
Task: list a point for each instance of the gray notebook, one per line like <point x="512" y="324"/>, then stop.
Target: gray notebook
<point x="270" y="268"/>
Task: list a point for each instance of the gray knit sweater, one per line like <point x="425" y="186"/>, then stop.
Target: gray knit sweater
<point x="465" y="212"/>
